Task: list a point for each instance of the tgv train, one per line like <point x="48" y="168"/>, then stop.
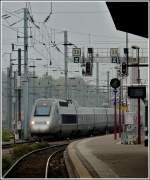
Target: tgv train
<point x="58" y="117"/>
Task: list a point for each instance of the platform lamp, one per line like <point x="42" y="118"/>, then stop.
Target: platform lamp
<point x="138" y="80"/>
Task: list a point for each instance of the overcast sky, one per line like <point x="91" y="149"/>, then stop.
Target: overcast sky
<point x="89" y="24"/>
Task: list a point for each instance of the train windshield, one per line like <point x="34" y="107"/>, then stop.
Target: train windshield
<point x="42" y="109"/>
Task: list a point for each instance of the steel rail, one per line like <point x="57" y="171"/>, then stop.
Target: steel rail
<point x="47" y="164"/>
<point x="28" y="154"/>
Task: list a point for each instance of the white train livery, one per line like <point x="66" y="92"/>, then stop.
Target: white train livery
<point x="65" y="118"/>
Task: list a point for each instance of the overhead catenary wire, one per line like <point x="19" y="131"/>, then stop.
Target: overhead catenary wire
<point x="47" y="43"/>
<point x="77" y="32"/>
<point x="33" y="38"/>
<point x="49" y="48"/>
<point x="39" y="52"/>
<point x="12" y="13"/>
<point x="48" y="17"/>
<point x="80" y="42"/>
<point x="23" y="33"/>
<point x="16" y="22"/>
<point x="72" y="12"/>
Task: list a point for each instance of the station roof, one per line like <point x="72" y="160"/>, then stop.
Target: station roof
<point x="131" y="17"/>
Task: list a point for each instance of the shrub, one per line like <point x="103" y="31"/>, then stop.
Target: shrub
<point x="39" y="145"/>
<point x="7" y="135"/>
<point x="6" y="163"/>
<point x="21" y="149"/>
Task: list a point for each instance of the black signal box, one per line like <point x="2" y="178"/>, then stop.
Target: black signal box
<point x="137" y="92"/>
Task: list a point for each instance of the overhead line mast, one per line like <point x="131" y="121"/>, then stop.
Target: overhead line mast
<point x="65" y="64"/>
<point x="26" y="93"/>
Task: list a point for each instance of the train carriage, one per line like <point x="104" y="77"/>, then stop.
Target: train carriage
<point x="67" y="118"/>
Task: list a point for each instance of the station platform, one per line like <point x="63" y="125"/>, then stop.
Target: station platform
<point x="104" y="157"/>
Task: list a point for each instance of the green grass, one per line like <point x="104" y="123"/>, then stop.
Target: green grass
<point x="21" y="149"/>
<point x="39" y="145"/>
<point x="7" y="135"/>
<point x="7" y="161"/>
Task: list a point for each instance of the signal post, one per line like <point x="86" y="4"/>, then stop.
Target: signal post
<point x="115" y="83"/>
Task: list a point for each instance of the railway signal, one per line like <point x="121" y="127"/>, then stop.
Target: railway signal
<point x="90" y="54"/>
<point x="115" y="83"/>
<point x="124" y="68"/>
<point x="88" y="68"/>
<point x="89" y="63"/>
<point x="90" y="50"/>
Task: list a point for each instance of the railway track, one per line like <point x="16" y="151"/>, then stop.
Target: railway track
<point x="55" y="166"/>
<point x="40" y="163"/>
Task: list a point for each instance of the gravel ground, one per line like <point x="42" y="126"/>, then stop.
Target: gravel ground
<point x="57" y="168"/>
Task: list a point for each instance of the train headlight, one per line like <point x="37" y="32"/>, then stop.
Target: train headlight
<point x="32" y="122"/>
<point x="47" y="122"/>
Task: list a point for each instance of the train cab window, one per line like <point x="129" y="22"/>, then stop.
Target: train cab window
<point x="69" y="119"/>
<point x="42" y="109"/>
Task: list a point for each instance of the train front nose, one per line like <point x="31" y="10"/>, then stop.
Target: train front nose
<point x="40" y="121"/>
<point x="39" y="126"/>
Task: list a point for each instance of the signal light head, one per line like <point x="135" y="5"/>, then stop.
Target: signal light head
<point x="124" y="68"/>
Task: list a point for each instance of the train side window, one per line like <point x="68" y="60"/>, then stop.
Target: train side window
<point x="69" y="119"/>
<point x="63" y="103"/>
